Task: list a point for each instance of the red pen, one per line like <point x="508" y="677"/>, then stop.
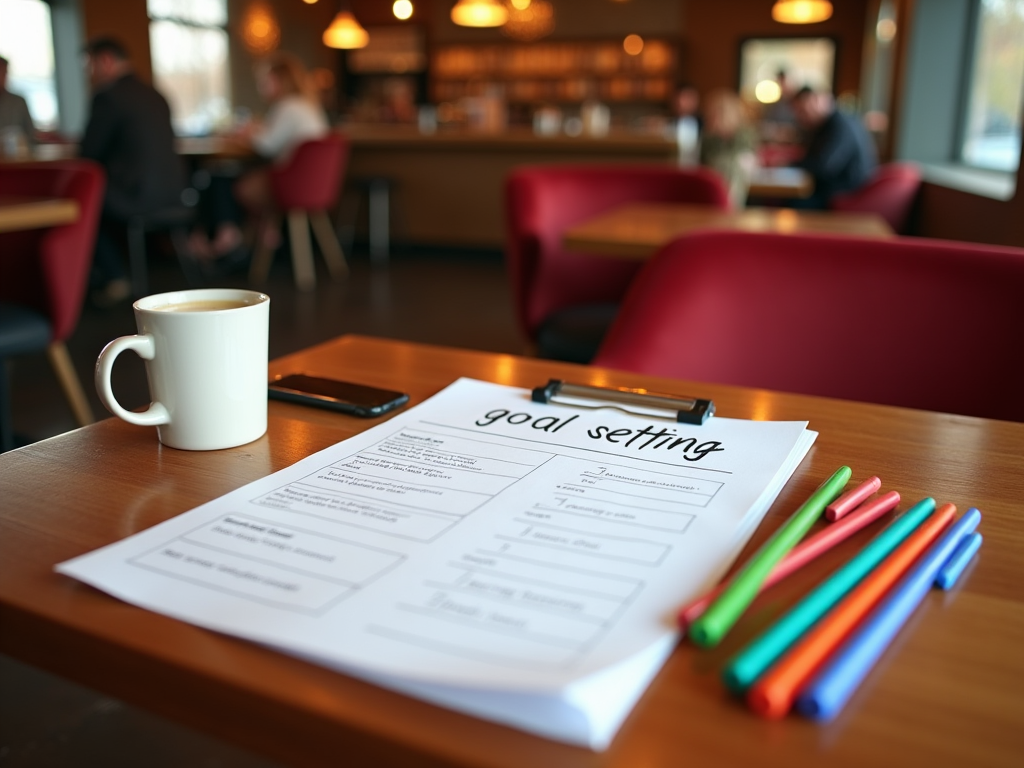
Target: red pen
<point x="849" y="500"/>
<point x="803" y="553"/>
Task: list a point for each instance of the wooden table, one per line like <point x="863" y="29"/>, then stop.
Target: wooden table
<point x="785" y="182"/>
<point x="22" y="212"/>
<point x="638" y="230"/>
<point x="951" y="691"/>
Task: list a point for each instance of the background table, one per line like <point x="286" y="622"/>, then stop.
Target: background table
<point x="951" y="691"/>
<point x="784" y="182"/>
<point x="638" y="230"/>
<point x="33" y="212"/>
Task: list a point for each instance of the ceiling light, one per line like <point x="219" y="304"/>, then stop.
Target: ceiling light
<point x="801" y="11"/>
<point x="345" y="32"/>
<point x="479" y="13"/>
<point x="402" y="9"/>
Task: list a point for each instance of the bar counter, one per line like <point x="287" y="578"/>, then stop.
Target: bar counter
<point x="447" y="188"/>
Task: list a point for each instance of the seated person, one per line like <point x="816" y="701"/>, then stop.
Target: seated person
<point x="840" y="153"/>
<point x="729" y="143"/>
<point x="295" y="116"/>
<point x="129" y="133"/>
<point x="17" y="132"/>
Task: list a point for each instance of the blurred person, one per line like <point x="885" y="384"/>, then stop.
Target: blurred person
<point x="778" y="120"/>
<point x="728" y="142"/>
<point x="840" y="153"/>
<point x="129" y="133"/>
<point x="17" y="131"/>
<point x="295" y="115"/>
<point x="688" y="123"/>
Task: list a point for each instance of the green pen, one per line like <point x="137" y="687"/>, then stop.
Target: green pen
<point x="718" y="619"/>
<point x="754" y="660"/>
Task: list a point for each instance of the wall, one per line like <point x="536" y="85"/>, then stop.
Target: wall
<point x="128" y="22"/>
<point x="712" y="32"/>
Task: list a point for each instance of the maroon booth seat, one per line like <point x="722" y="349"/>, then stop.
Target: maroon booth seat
<point x="556" y="291"/>
<point x="44" y="272"/>
<point x="890" y="192"/>
<point x="912" y="322"/>
<point x="305" y="188"/>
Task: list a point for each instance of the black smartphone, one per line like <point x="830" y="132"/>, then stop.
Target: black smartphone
<point x="343" y="396"/>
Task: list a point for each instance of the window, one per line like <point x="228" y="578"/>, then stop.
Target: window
<point x="26" y="41"/>
<point x="992" y="125"/>
<point x="189" y="47"/>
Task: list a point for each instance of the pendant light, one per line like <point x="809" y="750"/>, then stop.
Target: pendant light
<point x="479" y="13"/>
<point x="801" y="11"/>
<point x="345" y="32"/>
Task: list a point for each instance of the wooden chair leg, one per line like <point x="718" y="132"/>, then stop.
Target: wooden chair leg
<point x="262" y="255"/>
<point x="65" y="370"/>
<point x="302" y="250"/>
<point x="329" y="245"/>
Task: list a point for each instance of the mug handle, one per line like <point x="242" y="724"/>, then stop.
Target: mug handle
<point x="142" y="345"/>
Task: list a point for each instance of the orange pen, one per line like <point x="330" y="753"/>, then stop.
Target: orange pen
<point x="774" y="693"/>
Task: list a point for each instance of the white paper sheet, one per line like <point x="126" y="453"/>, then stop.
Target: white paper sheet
<point x="519" y="561"/>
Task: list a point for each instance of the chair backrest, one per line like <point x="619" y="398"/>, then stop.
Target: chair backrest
<point x="311" y="178"/>
<point x="890" y="192"/>
<point x="918" y="323"/>
<point x="543" y="201"/>
<point x="48" y="269"/>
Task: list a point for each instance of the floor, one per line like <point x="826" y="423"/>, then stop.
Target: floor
<point x="442" y="297"/>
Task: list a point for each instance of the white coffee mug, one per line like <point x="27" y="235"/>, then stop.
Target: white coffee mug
<point x="206" y="361"/>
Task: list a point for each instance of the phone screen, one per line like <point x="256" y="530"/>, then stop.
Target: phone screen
<point x="340" y="395"/>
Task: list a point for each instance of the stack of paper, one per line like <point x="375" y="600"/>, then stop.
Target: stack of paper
<point x="518" y="561"/>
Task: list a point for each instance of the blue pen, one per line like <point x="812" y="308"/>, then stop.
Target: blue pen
<point x="826" y="694"/>
<point x="958" y="561"/>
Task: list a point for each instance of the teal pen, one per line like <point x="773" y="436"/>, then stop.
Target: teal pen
<point x="757" y="657"/>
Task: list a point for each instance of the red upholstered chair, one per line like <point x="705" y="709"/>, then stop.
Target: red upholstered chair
<point x="563" y="300"/>
<point x="44" y="274"/>
<point x="890" y="193"/>
<point x="919" y="323"/>
<point x="305" y="188"/>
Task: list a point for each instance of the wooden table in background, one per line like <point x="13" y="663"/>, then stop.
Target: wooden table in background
<point x="788" y="183"/>
<point x="950" y="692"/>
<point x="21" y="212"/>
<point x="638" y="230"/>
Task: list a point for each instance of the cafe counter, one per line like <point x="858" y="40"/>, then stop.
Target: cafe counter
<point x="447" y="188"/>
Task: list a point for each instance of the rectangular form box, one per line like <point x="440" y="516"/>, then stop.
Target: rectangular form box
<point x="239" y="576"/>
<point x="403" y="470"/>
<point x="295" y="549"/>
<point x="583" y="542"/>
<point x="448" y="452"/>
<point x="361" y="513"/>
<point x="409" y="494"/>
<point x="563" y="508"/>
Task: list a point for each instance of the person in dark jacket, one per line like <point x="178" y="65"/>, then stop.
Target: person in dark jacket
<point x="840" y="153"/>
<point x="129" y="133"/>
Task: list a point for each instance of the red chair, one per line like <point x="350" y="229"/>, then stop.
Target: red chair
<point x="890" y="192"/>
<point x="563" y="300"/>
<point x="911" y="322"/>
<point x="44" y="274"/>
<point x="306" y="187"/>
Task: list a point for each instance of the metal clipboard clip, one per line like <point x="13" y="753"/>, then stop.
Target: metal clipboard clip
<point x="640" y="402"/>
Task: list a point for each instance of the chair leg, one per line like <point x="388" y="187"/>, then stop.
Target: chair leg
<point x="137" y="257"/>
<point x="57" y="351"/>
<point x="329" y="245"/>
<point x="262" y="256"/>
<point x="302" y="250"/>
<point x="380" y="226"/>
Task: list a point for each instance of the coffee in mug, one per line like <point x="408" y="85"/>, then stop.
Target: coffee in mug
<point x="206" y="362"/>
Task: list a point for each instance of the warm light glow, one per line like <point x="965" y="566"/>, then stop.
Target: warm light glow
<point x="767" y="92"/>
<point x="532" y="21"/>
<point x="260" y="32"/>
<point x="885" y="30"/>
<point x="402" y="9"/>
<point x="479" y="13"/>
<point x="309" y="2"/>
<point x="345" y="32"/>
<point x="801" y="11"/>
<point x="633" y="44"/>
